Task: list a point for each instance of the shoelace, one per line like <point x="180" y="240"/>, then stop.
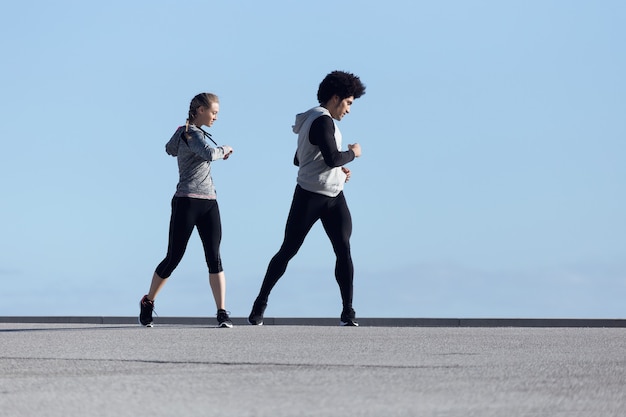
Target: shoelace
<point x="152" y="304"/>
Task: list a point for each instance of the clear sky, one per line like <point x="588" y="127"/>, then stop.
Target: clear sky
<point x="491" y="182"/>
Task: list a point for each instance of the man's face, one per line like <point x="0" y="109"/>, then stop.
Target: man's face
<point x="339" y="108"/>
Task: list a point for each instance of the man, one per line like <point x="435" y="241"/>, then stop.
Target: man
<point x="319" y="190"/>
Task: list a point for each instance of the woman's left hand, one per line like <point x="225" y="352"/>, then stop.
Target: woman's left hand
<point x="227" y="152"/>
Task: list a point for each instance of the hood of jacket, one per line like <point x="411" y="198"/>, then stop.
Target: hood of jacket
<point x="308" y="116"/>
<point x="171" y="147"/>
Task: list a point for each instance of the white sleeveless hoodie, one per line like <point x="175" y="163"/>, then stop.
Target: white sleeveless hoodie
<point x="313" y="173"/>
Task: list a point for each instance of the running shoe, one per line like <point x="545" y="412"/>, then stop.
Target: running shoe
<point x="348" y="318"/>
<point x="223" y="320"/>
<point x="145" y="311"/>
<point x="256" y="316"/>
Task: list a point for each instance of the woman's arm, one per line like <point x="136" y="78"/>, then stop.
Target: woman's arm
<point x="201" y="148"/>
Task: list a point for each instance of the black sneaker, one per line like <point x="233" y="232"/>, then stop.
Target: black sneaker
<point x="348" y="318"/>
<point x="145" y="311"/>
<point x="256" y="316"/>
<point x="223" y="320"/>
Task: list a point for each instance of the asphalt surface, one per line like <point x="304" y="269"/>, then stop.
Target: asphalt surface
<point x="83" y="369"/>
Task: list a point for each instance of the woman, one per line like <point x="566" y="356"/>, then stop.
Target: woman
<point x="194" y="205"/>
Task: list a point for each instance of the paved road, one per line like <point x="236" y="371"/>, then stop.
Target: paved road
<point x="55" y="369"/>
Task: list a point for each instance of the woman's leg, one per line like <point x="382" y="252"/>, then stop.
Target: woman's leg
<point x="181" y="226"/>
<point x="155" y="286"/>
<point x="218" y="287"/>
<point x="210" y="231"/>
<point x="182" y="223"/>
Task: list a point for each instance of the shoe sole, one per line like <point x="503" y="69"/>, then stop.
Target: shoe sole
<point x="348" y="324"/>
<point x="144" y="325"/>
<point x="255" y="324"/>
<point x="225" y="325"/>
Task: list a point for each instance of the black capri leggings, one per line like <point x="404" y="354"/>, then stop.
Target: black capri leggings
<point x="188" y="213"/>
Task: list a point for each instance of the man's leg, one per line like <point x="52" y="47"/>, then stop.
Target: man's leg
<point x="304" y="212"/>
<point x="337" y="223"/>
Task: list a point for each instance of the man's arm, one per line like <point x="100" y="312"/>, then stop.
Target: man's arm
<point x="322" y="134"/>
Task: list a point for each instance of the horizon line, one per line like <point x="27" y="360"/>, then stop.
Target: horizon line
<point x="326" y="321"/>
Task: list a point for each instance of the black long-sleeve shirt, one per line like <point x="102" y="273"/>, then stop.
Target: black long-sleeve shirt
<point x="322" y="134"/>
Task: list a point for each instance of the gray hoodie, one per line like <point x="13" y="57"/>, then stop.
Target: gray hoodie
<point x="194" y="163"/>
<point x="314" y="174"/>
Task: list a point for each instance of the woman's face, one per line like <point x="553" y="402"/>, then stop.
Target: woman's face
<point x="207" y="115"/>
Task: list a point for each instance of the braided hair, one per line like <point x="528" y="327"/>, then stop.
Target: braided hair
<point x="202" y="99"/>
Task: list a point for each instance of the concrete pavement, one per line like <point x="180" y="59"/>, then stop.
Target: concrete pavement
<point x="88" y="369"/>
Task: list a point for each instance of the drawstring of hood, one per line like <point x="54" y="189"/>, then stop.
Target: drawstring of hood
<point x="206" y="134"/>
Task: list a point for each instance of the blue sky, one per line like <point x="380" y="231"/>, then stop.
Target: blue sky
<point x="491" y="182"/>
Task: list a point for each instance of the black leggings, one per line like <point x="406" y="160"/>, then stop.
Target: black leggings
<point x="188" y="213"/>
<point x="306" y="209"/>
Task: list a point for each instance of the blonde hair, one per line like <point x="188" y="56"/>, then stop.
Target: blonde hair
<point x="202" y="99"/>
